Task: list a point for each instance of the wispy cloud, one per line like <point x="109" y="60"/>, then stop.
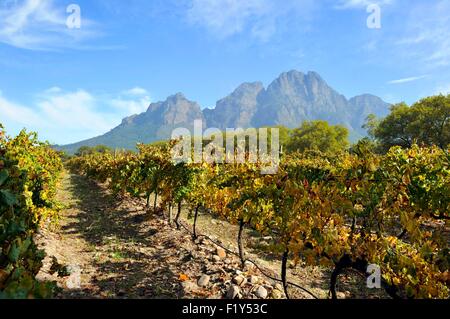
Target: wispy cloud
<point x="16" y="113"/>
<point x="136" y="91"/>
<point x="132" y="101"/>
<point x="69" y="116"/>
<point x="260" y="18"/>
<point x="428" y="33"/>
<point x="40" y="25"/>
<point x="406" y="80"/>
<point x="225" y="17"/>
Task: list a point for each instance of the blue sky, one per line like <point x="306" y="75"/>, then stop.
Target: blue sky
<point x="72" y="84"/>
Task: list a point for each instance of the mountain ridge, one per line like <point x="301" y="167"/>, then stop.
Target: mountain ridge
<point x="290" y="99"/>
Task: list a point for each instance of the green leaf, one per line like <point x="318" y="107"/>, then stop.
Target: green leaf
<point x="14" y="252"/>
<point x="25" y="245"/>
<point x="3" y="176"/>
<point x="6" y="198"/>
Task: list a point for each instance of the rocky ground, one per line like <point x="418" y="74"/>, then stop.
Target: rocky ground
<point x="106" y="247"/>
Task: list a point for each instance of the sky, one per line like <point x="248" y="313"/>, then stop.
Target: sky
<point x="71" y="70"/>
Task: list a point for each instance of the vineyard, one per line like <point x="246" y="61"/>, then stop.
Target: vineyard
<point x="29" y="172"/>
<point x="342" y="211"/>
<point x="346" y="211"/>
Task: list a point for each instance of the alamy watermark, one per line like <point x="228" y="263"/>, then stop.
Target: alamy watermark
<point x="74" y="19"/>
<point x="238" y="146"/>
<point x="374" y="19"/>
<point x="374" y="276"/>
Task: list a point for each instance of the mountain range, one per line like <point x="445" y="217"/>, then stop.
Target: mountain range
<point x="289" y="100"/>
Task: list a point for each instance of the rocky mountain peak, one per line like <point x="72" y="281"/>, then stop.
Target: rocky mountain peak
<point x="237" y="109"/>
<point x="289" y="100"/>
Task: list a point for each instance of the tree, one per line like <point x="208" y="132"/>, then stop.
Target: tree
<point x="102" y="149"/>
<point x="431" y="124"/>
<point x="372" y="122"/>
<point x="394" y="130"/>
<point x="426" y="122"/>
<point x="319" y="136"/>
<point x="87" y="150"/>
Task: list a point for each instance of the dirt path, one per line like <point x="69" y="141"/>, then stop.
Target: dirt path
<point x="122" y="253"/>
<point x="115" y="249"/>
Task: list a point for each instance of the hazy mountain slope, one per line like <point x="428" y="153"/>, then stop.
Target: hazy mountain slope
<point x="155" y="124"/>
<point x="362" y="106"/>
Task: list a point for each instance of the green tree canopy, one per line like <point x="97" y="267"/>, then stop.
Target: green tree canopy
<point x="86" y="150"/>
<point x="319" y="136"/>
<point x="426" y="122"/>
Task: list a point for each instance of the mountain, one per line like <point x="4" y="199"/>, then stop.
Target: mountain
<point x="362" y="106"/>
<point x="236" y="110"/>
<point x="155" y="124"/>
<point x="289" y="100"/>
<point x="295" y="97"/>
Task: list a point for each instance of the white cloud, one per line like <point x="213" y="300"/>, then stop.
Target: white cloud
<point x="40" y="25"/>
<point x="132" y="101"/>
<point x="129" y="106"/>
<point x="16" y="113"/>
<point x="53" y="90"/>
<point x="66" y="117"/>
<point x="74" y="110"/>
<point x="260" y="18"/>
<point x="136" y="91"/>
<point x="428" y="33"/>
<point x="225" y="17"/>
<point x="406" y="80"/>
